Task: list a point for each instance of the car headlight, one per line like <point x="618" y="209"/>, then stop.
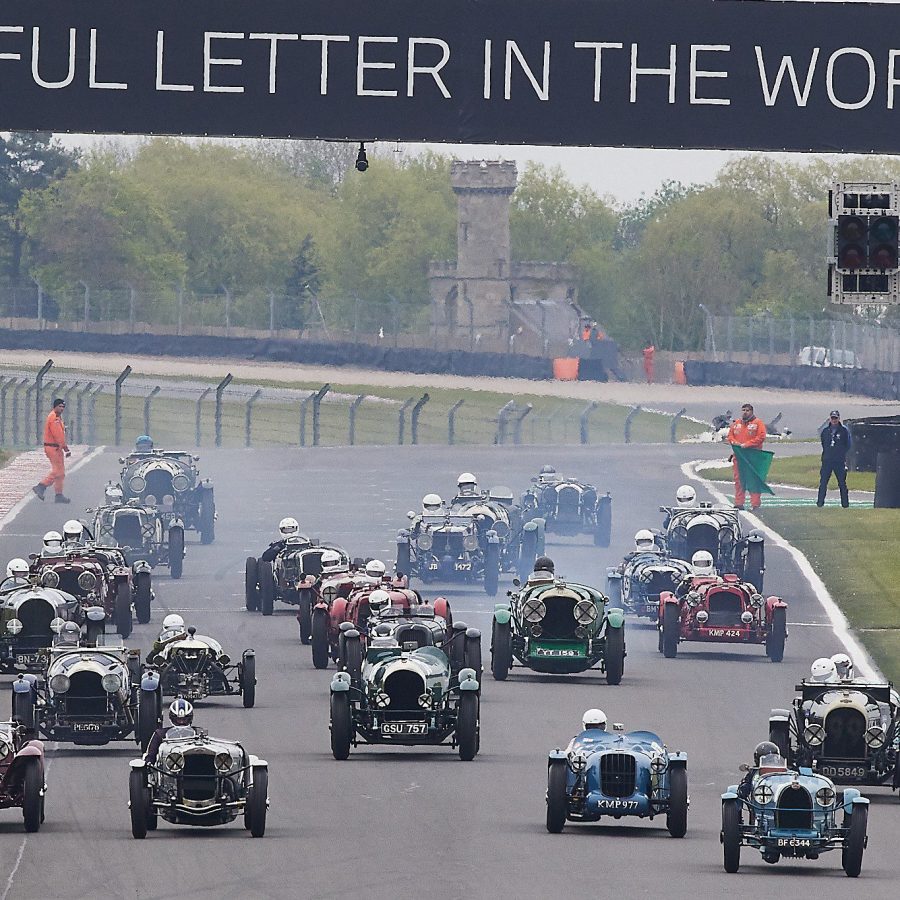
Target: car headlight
<point x="168" y="501"/>
<point x="87" y="581"/>
<point x="537" y="630"/>
<point x="702" y="617"/>
<point x="150" y="500"/>
<point x="50" y="578"/>
<point x="580" y="631"/>
<point x="875" y="737"/>
<point x="825" y="796"/>
<point x="746" y="617"/>
<point x="137" y="483"/>
<point x="658" y="765"/>
<point x="763" y="794"/>
<point x="693" y="598"/>
<point x="111" y="682"/>
<point x="382" y="700"/>
<point x="57" y="625"/>
<point x="579" y="763"/>
<point x="175" y="761"/>
<point x="470" y="542"/>
<point x="585" y="612"/>
<point x="814" y="734"/>
<point x="424" y="540"/>
<point x="181" y="483"/>
<point x="533" y="610"/>
<point x="59" y="684"/>
<point x="425" y="701"/>
<point x="5" y="749"/>
<point x="14" y="626"/>
<point x="756" y="599"/>
<point x="96" y="613"/>
<point x="223" y="762"/>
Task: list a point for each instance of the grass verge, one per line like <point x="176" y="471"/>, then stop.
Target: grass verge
<point x="5" y="457"/>
<point x="802" y="471"/>
<point x="854" y="553"/>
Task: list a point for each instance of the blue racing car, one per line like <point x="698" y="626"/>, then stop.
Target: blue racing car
<point x="615" y="774"/>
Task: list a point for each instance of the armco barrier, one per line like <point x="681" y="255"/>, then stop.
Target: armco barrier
<point x="421" y="361"/>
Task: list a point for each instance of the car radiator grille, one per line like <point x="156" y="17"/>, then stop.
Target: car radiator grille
<point x="794" y="809"/>
<point x="199" y="776"/>
<point x="443" y="544"/>
<point x="568" y="503"/>
<point x="559" y="621"/>
<point x="702" y="537"/>
<point x="659" y="582"/>
<point x="85" y="696"/>
<point x="845" y="734"/>
<point x="35" y="616"/>
<point x="617" y="774"/>
<point x="724" y="608"/>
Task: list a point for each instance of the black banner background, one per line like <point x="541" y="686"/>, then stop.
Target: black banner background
<point x="126" y="52"/>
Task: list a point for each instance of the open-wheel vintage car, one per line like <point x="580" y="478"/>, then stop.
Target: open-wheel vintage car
<point x="614" y="774"/>
<point x="848" y="731"/>
<point x="198" y="780"/>
<point x="141" y="532"/>
<point x="639" y="582"/>
<point x="170" y="481"/>
<point x="407" y="696"/>
<point x="569" y="506"/>
<point x="793" y="814"/>
<point x="90" y="695"/>
<point x="722" y="609"/>
<point x="31" y="616"/>
<point x="100" y="576"/>
<point x="195" y="666"/>
<point x="718" y="531"/>
<point x="557" y="626"/>
<point x="22" y="774"/>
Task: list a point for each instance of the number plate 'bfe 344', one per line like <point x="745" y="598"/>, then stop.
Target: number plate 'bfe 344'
<point x="399" y="729"/>
<point x="794" y="842"/>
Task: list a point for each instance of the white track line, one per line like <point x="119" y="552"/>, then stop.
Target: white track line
<point x="864" y="663"/>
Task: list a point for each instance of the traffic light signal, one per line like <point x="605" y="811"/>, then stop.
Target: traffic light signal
<point x="883" y="235"/>
<point x="852" y="240"/>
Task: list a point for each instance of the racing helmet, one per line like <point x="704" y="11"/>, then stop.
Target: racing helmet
<point x="17" y="567"/>
<point x="547" y="474"/>
<point x="113" y="493"/>
<point x="73" y="531"/>
<point x="288" y="526"/>
<point x="702" y="563"/>
<point x="52" y="540"/>
<point x="379" y="601"/>
<point x="544" y="564"/>
<point x="431" y="504"/>
<point x="70" y="633"/>
<point x="143" y="443"/>
<point x="644" y="540"/>
<point x="181" y="712"/>
<point x="594" y="718"/>
<point x="764" y="748"/>
<point x="375" y="569"/>
<point x="330" y="561"/>
<point x="823" y="670"/>
<point x="467" y="484"/>
<point x="686" y="496"/>
<point x="172" y="621"/>
<point x="844" y="666"/>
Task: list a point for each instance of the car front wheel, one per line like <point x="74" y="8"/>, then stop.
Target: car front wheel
<point x="557" y="798"/>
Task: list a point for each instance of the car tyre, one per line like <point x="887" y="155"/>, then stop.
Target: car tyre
<point x="139" y="803"/>
<point x="528" y="552"/>
<point x="124" y="621"/>
<point x="403" y="559"/>
<point x="258" y="801"/>
<point x="501" y="650"/>
<point x="266" y="588"/>
<point x="855" y="842"/>
<point x="251" y="584"/>
<point x="603" y="528"/>
<point x="492" y="569"/>
<point x="557" y="797"/>
<point x="777" y="635"/>
<point x="23" y="708"/>
<point x="472" y="655"/>
<point x="341" y="725"/>
<point x="176" y="551"/>
<point x="248" y="681"/>
<point x="320" y="639"/>
<point x="148" y="717"/>
<point x="731" y="835"/>
<point x="671" y="630"/>
<point x="614" y="591"/>
<point x="614" y="655"/>
<point x="352" y="657"/>
<point x="143" y="596"/>
<point x="304" y="614"/>
<point x="207" y="523"/>
<point x="755" y="564"/>
<point x="780" y="736"/>
<point x="467" y="725"/>
<point x="32" y="799"/>
<point x="677" y="816"/>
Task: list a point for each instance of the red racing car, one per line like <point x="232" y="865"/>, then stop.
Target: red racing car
<point x="721" y="609"/>
<point x="22" y="774"/>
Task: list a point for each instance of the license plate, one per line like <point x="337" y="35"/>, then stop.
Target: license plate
<point x="86" y="726"/>
<point x="30" y="659"/>
<point x="463" y="567"/>
<point x="794" y="842"/>
<point x="395" y="729"/>
<point x="724" y="632"/>
<point x="843" y="771"/>
<point x="433" y="566"/>
<point x="557" y="652"/>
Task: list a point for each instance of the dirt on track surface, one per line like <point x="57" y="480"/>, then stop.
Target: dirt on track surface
<point x="803" y="411"/>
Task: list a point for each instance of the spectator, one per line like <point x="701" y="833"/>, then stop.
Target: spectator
<point x="648" y="352"/>
<point x="748" y="432"/>
<point x="835" y="438"/>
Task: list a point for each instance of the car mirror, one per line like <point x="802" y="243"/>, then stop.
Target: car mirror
<point x="618" y="726"/>
<point x="33" y="556"/>
<point x="534" y="480"/>
<point x="516" y="582"/>
<point x="121" y="460"/>
<point x="743" y="767"/>
<point x="195" y="458"/>
<point x="410" y="515"/>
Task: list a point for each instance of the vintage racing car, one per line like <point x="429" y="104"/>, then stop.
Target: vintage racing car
<point x="792" y="813"/>
<point x="569" y="506"/>
<point x="22" y="774"/>
<point x="170" y="481"/>
<point x="195" y="666"/>
<point x="198" y="780"/>
<point x="718" y="531"/>
<point x="558" y="626"/>
<point x="615" y="774"/>
<point x="639" y="582"/>
<point x="848" y="731"/>
<point x="721" y="609"/>
<point x="89" y="695"/>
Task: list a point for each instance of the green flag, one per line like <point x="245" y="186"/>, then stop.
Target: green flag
<point x="753" y="466"/>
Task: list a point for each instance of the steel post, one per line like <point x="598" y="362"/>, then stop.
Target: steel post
<point x="316" y="403"/>
<point x="793" y="343"/>
<point x="502" y="421"/>
<point x="401" y="419"/>
<point x="248" y="418"/>
<point x="585" y="421"/>
<point x="38" y="398"/>
<point x="414" y="417"/>
<point x="354" y="406"/>
<point x="80" y="430"/>
<point x="198" y="413"/>
<point x="118" y="411"/>
<point x="5" y="385"/>
<point x="15" y="412"/>
<point x="147" y="401"/>
<point x="521" y="413"/>
<point x="451" y="422"/>
<point x="304" y="403"/>
<point x="92" y="416"/>
<point x="673" y="429"/>
<point x="628" y="420"/>
<point x="220" y="389"/>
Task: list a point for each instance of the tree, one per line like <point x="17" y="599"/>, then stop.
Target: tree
<point x="302" y="285"/>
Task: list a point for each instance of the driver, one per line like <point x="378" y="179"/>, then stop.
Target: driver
<point x="73" y="534"/>
<point x="379" y="601"/>
<point x="544" y="570"/>
<point x="181" y="715"/>
<point x="143" y="444"/>
<point x="287" y="527"/>
<point x="547" y="475"/>
<point x="466" y="488"/>
<point x="645" y="542"/>
<point x="52" y="544"/>
<point x="16" y="575"/>
<point x="375" y="570"/>
<point x="824" y="671"/>
<point x="685" y="498"/>
<point x="703" y="564"/>
<point x="432" y="505"/>
<point x="767" y="759"/>
<point x="844" y="666"/>
<point x="593" y="726"/>
<point x="173" y="629"/>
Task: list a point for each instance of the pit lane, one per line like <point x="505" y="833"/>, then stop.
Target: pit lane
<point x="394" y="822"/>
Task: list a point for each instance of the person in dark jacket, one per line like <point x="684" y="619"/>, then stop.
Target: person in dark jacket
<point x="835" y="437"/>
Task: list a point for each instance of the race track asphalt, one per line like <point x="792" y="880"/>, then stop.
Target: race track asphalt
<point x="394" y="823"/>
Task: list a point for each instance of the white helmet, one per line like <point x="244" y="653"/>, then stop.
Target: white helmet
<point x="844" y="666"/>
<point x="330" y="561"/>
<point x="172" y="621"/>
<point x="288" y="526"/>
<point x="823" y="670"/>
<point x="702" y="563"/>
<point x="431" y="504"/>
<point x="644" y="540"/>
<point x="467" y="483"/>
<point x="52" y="540"/>
<point x="73" y="530"/>
<point x="375" y="569"/>
<point x="16" y="567"/>
<point x="594" y="718"/>
<point x="379" y="600"/>
<point x="686" y="495"/>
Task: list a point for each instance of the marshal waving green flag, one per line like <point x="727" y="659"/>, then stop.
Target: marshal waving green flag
<point x="753" y="466"/>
